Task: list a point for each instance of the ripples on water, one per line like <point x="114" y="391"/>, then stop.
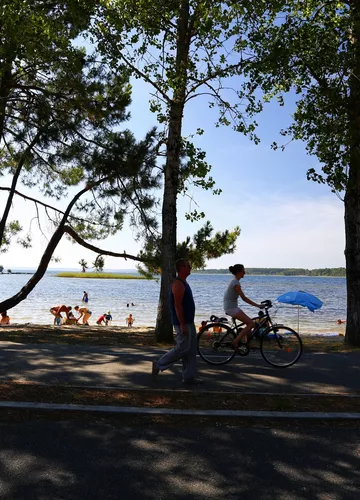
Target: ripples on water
<point x="208" y="291"/>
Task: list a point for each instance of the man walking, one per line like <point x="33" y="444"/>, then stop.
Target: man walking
<point x="182" y="308"/>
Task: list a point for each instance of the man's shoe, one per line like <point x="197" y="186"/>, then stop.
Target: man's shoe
<point x="155" y="370"/>
<point x="194" y="381"/>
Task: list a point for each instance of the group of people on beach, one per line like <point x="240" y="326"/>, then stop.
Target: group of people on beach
<point x="84" y="314"/>
<point x="70" y="319"/>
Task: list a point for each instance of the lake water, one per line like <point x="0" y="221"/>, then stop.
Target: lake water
<point x="208" y="291"/>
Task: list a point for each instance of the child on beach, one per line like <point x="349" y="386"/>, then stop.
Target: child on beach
<point x="85" y="314"/>
<point x="101" y="320"/>
<point x="104" y="318"/>
<point x="108" y="317"/>
<point x="5" y="319"/>
<point x="130" y="320"/>
<point x="70" y="320"/>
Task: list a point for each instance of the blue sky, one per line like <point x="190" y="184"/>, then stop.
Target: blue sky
<point x="285" y="220"/>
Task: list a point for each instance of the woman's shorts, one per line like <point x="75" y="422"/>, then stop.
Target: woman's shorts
<point x="233" y="311"/>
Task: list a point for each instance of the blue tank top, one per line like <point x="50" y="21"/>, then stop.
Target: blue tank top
<point x="187" y="303"/>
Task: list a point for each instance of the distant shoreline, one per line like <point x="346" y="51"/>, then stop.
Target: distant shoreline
<point x="211" y="272"/>
<point x="275" y="275"/>
<point x="330" y="272"/>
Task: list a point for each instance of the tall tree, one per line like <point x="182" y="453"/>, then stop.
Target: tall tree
<point x="40" y="81"/>
<point x="314" y="50"/>
<point x="60" y="112"/>
<point x="183" y="49"/>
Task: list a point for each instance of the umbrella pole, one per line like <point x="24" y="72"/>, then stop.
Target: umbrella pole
<point x="298" y="319"/>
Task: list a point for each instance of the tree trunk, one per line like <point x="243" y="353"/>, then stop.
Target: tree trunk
<point x="164" y="329"/>
<point x="352" y="256"/>
<point x="352" y="197"/>
<point x="39" y="273"/>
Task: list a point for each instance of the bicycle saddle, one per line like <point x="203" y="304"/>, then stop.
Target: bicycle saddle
<point x="219" y="320"/>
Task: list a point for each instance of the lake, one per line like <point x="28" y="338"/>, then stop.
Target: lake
<point x="208" y="290"/>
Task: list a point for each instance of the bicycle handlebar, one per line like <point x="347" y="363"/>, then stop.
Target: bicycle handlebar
<point x="267" y="303"/>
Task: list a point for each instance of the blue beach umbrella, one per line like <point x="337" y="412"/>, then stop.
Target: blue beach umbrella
<point x="301" y="298"/>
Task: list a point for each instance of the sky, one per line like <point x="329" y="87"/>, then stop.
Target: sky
<point x="285" y="220"/>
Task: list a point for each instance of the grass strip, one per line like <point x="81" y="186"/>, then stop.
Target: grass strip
<point x="27" y="392"/>
<point x="106" y="276"/>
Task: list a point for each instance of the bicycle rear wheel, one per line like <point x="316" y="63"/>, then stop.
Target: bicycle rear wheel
<point x="214" y="343"/>
<point x="281" y="346"/>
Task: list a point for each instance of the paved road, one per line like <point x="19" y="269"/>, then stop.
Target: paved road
<point x="130" y="367"/>
<point x="110" y="461"/>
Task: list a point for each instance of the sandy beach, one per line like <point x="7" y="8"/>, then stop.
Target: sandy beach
<point x="78" y="334"/>
<point x="123" y="335"/>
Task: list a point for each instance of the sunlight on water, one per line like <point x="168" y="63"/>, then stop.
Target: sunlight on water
<point x="208" y="292"/>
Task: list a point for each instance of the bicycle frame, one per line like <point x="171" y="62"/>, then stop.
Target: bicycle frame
<point x="263" y="320"/>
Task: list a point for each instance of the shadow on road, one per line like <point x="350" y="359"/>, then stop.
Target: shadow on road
<point x="100" y="459"/>
<point x="131" y="367"/>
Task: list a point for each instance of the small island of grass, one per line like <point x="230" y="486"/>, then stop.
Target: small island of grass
<point x="105" y="276"/>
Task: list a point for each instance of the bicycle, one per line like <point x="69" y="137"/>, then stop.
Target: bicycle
<point x="280" y="345"/>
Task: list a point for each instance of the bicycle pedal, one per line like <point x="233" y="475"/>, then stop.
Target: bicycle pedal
<point x="243" y="350"/>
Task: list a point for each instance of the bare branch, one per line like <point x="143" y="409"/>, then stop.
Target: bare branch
<point x="137" y="207"/>
<point x="76" y="237"/>
<point x="220" y="73"/>
<point x="38" y="220"/>
<point x="47" y="206"/>
<point x="41" y="89"/>
<point x="145" y="77"/>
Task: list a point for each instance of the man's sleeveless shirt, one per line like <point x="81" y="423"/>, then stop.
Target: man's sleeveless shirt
<point x="187" y="303"/>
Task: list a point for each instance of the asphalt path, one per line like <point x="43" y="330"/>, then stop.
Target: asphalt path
<point x="110" y="460"/>
<point x="131" y="367"/>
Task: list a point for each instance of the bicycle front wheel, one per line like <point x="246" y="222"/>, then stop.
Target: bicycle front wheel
<point x="214" y="343"/>
<point x="281" y="346"/>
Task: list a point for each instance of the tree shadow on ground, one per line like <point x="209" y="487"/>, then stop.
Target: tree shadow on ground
<point x="110" y="459"/>
<point x="131" y="367"/>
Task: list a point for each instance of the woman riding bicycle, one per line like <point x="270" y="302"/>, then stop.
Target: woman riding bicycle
<point x="231" y="308"/>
